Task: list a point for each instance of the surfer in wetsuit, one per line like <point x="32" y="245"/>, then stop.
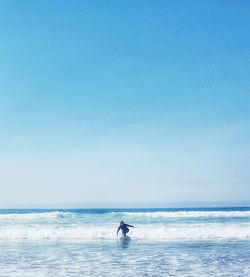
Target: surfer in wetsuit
<point x="124" y="227"/>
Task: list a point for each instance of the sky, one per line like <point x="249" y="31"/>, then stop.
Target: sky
<point x="124" y="103"/>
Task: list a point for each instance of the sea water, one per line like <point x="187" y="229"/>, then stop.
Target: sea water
<point x="164" y="242"/>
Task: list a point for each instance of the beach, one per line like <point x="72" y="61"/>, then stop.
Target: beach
<point x="164" y="242"/>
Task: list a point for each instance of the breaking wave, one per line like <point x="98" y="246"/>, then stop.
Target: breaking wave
<point x="189" y="214"/>
<point x="157" y="214"/>
<point x="31" y="216"/>
<point x="148" y="232"/>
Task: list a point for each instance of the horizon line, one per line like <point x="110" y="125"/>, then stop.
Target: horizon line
<point x="173" y="205"/>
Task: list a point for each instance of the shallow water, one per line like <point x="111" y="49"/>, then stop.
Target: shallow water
<point x="204" y="242"/>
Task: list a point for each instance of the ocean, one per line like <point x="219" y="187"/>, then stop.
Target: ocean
<point x="164" y="242"/>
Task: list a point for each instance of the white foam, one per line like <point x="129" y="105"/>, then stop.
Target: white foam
<point x="189" y="214"/>
<point x="31" y="216"/>
<point x="172" y="214"/>
<point x="56" y="232"/>
<point x="195" y="232"/>
<point x="150" y="232"/>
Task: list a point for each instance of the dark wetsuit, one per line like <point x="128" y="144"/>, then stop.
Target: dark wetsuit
<point x="124" y="228"/>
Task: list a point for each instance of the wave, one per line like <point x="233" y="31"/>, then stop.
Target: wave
<point x="148" y="232"/>
<point x="156" y="214"/>
<point x="189" y="214"/>
<point x="31" y="216"/>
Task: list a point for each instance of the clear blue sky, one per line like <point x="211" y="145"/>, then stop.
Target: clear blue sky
<point x="124" y="102"/>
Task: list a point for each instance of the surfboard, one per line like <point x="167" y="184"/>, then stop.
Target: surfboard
<point x="127" y="238"/>
<point x="124" y="241"/>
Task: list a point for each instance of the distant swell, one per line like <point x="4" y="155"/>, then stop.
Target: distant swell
<point x="31" y="216"/>
<point x="158" y="214"/>
<point x="189" y="214"/>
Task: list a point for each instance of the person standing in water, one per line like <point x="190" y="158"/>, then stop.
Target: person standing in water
<point x="124" y="227"/>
